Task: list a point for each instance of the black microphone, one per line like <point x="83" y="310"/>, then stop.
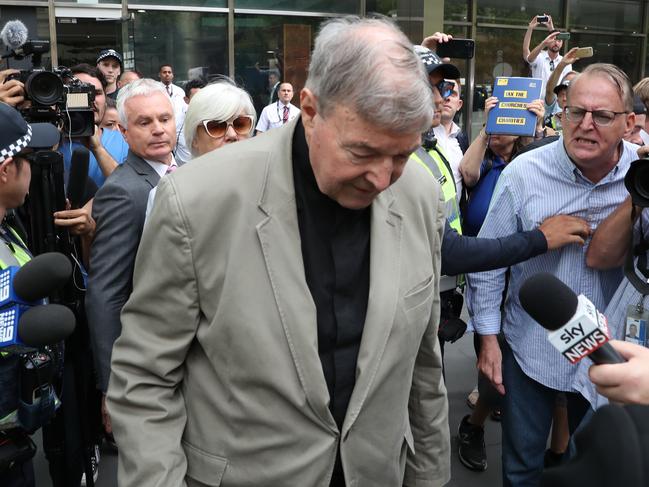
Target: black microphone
<point x="78" y="176"/>
<point x="45" y="324"/>
<point x="42" y="275"/>
<point x="576" y="328"/>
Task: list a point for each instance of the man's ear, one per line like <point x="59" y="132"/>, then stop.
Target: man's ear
<point x="5" y="168"/>
<point x="308" y="108"/>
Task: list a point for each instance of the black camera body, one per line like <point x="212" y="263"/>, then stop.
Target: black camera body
<point x="56" y="96"/>
<point x="637" y="182"/>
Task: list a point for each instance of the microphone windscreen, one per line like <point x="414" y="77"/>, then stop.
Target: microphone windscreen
<point x="548" y="300"/>
<point x="45" y="324"/>
<point x="78" y="176"/>
<point x="14" y="34"/>
<point x="42" y="275"/>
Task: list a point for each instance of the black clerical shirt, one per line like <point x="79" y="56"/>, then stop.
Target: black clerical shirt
<point x="336" y="255"/>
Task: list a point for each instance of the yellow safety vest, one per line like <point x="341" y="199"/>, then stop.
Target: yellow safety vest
<point x="434" y="163"/>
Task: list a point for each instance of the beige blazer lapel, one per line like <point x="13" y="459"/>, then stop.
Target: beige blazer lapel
<point x="385" y="261"/>
<point x="279" y="236"/>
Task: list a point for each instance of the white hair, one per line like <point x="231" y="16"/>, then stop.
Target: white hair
<point x="221" y="101"/>
<point x="139" y="87"/>
<point x="371" y="66"/>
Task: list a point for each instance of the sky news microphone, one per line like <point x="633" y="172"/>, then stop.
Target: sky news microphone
<point x="576" y="328"/>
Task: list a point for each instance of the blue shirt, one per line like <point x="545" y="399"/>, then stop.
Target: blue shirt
<point x="536" y="185"/>
<point x="114" y="144"/>
<point x="481" y="193"/>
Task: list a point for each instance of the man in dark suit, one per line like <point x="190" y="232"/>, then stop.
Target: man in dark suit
<point x="147" y="123"/>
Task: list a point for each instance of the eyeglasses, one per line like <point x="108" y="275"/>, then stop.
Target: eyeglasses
<point x="551" y="65"/>
<point x="601" y="118"/>
<point x="216" y="129"/>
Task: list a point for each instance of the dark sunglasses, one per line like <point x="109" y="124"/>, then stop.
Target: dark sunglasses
<point x="445" y="88"/>
<point x="216" y="129"/>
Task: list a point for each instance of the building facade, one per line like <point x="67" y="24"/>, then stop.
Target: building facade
<point x="248" y="39"/>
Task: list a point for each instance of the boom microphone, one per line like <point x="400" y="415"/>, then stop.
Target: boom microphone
<point x="14" y="34"/>
<point x="78" y="176"/>
<point x="576" y="328"/>
<point x="40" y="276"/>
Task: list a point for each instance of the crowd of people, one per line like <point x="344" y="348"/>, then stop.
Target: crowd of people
<point x="268" y="299"/>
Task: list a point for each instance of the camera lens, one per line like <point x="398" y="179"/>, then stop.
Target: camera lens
<point x="641" y="181"/>
<point x="44" y="88"/>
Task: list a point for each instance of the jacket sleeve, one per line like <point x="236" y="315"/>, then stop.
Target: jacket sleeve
<point x="462" y="254"/>
<point x="430" y="464"/>
<point x="159" y="323"/>
<point x="112" y="257"/>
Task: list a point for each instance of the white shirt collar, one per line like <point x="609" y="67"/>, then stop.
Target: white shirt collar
<point x="161" y="167"/>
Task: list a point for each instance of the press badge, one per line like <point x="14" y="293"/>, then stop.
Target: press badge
<point x="637" y="317"/>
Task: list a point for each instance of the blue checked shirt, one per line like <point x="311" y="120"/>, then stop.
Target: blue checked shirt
<point x="539" y="184"/>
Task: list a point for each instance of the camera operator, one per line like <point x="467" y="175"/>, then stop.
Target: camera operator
<point x="17" y="139"/>
<point x="13" y="91"/>
<point x="107" y="147"/>
<point x="626" y="226"/>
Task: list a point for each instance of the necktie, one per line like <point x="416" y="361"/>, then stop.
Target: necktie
<point x="285" y="115"/>
<point x="171" y="169"/>
<point x="169" y="90"/>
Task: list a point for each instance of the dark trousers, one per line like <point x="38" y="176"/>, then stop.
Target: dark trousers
<point x="527" y="418"/>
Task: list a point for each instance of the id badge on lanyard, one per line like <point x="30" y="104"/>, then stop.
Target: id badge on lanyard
<point x="637" y="320"/>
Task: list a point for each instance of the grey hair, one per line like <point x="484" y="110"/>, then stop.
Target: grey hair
<point x="217" y="101"/>
<point x="384" y="81"/>
<point x="139" y="87"/>
<point x="616" y="76"/>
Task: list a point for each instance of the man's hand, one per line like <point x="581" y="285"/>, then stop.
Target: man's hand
<point x="490" y="361"/>
<point x="94" y="141"/>
<point x="78" y="222"/>
<point x="560" y="230"/>
<point x="627" y="382"/>
<point x="550" y="39"/>
<point x="105" y="417"/>
<point x="533" y="23"/>
<point x="12" y="92"/>
<point x="431" y="42"/>
<point x="569" y="58"/>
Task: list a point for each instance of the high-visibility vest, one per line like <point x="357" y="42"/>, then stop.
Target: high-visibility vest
<point x="436" y="164"/>
<point x="18" y="257"/>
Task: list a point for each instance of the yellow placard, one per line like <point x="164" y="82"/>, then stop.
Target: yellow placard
<point x="502" y="82"/>
<point x="509" y="121"/>
<point x="513" y="105"/>
<point x="515" y="94"/>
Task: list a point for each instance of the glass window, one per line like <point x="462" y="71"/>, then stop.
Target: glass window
<point x="268" y="45"/>
<point x="456" y="11"/>
<point x="184" y="3"/>
<point x="194" y="43"/>
<point x="508" y="12"/>
<point x="80" y="40"/>
<point x="325" y="6"/>
<point x="623" y="51"/>
<point x="613" y="15"/>
<point x="408" y="14"/>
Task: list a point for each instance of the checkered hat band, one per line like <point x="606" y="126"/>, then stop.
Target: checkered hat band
<point x="430" y="60"/>
<point x="17" y="146"/>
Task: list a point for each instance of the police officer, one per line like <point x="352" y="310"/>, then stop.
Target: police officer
<point x="17" y="140"/>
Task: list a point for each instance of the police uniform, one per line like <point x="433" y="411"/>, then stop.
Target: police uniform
<point x="16" y="448"/>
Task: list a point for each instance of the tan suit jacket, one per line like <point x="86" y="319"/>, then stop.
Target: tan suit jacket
<point x="216" y="378"/>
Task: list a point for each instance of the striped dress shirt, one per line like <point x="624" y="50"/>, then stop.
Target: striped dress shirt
<point x="539" y="184"/>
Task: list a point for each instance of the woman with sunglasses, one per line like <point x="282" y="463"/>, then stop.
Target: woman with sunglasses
<point x="220" y="113"/>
